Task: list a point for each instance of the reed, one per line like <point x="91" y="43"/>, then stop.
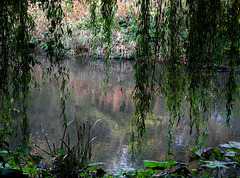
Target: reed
<point x="71" y="158"/>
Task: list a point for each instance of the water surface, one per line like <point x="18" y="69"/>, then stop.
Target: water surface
<point x="87" y="102"/>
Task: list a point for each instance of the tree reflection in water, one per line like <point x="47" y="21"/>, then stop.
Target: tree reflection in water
<point x="87" y="102"/>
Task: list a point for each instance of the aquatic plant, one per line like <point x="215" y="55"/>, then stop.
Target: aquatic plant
<point x="18" y="163"/>
<point x="211" y="162"/>
<point x="72" y="159"/>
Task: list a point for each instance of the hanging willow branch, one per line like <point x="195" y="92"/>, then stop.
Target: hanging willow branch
<point x="55" y="49"/>
<point x="15" y="67"/>
<point x="176" y="77"/>
<point x="233" y="33"/>
<point x="143" y="72"/>
<point x="198" y="33"/>
<point x="17" y="62"/>
<point x="203" y="51"/>
<point x="107" y="11"/>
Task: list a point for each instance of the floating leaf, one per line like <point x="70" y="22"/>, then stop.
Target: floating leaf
<point x="4" y="152"/>
<point x="127" y="171"/>
<point x="150" y="163"/>
<point x="218" y="164"/>
<point x="230" y="154"/>
<point x="231" y="144"/>
<point x="93" y="166"/>
<point x="215" y="164"/>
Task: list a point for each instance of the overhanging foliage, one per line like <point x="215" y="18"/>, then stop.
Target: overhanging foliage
<point x="190" y="39"/>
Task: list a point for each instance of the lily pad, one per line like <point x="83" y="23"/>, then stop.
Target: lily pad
<point x="218" y="164"/>
<point x="4" y="152"/>
<point x="150" y="163"/>
<point x="231" y="144"/>
<point x="93" y="166"/>
<point x="127" y="171"/>
<point x="230" y="154"/>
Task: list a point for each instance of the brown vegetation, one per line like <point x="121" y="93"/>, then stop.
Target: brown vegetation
<point x="77" y="16"/>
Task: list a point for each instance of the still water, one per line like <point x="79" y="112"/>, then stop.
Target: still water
<point x="111" y="146"/>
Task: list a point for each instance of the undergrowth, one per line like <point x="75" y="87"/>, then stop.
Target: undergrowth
<point x="64" y="159"/>
<point x="83" y="41"/>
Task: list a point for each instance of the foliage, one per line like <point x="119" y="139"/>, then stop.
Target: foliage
<point x="231" y="144"/>
<point x="67" y="159"/>
<point x="72" y="159"/>
<point x="190" y="39"/>
<point x="15" y="67"/>
<point x="216" y="164"/>
<point x="11" y="161"/>
<point x="213" y="154"/>
<point x="147" y="173"/>
<point x="17" y="62"/>
<point x="191" y="44"/>
<point x="155" y="164"/>
<point x="210" y="165"/>
<point x="217" y="159"/>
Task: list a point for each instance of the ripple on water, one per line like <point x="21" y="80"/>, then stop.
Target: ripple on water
<point x="122" y="160"/>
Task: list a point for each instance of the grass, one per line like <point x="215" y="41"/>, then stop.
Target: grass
<point x="71" y="158"/>
<point x="64" y="159"/>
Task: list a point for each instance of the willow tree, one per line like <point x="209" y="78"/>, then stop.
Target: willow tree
<point x="17" y="62"/>
<point x="190" y="38"/>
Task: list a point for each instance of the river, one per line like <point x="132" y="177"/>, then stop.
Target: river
<point x="111" y="145"/>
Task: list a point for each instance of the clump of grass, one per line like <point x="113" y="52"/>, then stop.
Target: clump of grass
<point x="71" y="159"/>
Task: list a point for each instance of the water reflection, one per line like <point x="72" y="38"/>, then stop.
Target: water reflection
<point x="111" y="146"/>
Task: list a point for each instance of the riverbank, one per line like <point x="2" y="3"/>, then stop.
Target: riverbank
<point x="83" y="41"/>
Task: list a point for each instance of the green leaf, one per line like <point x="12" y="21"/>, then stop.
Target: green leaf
<point x="236" y="159"/>
<point x="127" y="171"/>
<point x="230" y="154"/>
<point x="93" y="166"/>
<point x="231" y="144"/>
<point x="150" y="163"/>
<point x="4" y="152"/>
<point x="213" y="153"/>
<point x="218" y="164"/>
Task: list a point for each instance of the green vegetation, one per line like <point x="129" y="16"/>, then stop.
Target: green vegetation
<point x="208" y="163"/>
<point x="178" y="46"/>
